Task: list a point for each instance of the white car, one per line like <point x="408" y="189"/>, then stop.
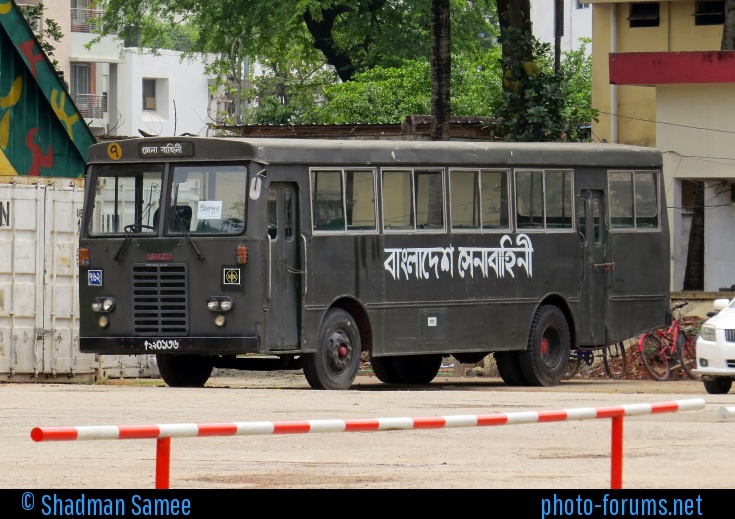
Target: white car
<point x="716" y="349"/>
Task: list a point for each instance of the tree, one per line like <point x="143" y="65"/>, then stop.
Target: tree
<point x="441" y="64"/>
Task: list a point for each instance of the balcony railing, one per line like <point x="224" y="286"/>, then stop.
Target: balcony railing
<point x="85" y="20"/>
<point x="91" y="106"/>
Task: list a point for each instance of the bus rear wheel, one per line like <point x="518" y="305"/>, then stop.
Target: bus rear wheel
<point x="184" y="370"/>
<point x="545" y="359"/>
<point x="509" y="368"/>
<point x="384" y="370"/>
<point x="336" y="361"/>
<point x="417" y="369"/>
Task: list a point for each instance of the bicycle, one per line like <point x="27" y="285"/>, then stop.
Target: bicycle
<point x="613" y="359"/>
<point x="666" y="348"/>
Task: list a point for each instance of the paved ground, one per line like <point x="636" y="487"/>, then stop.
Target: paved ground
<point x="687" y="450"/>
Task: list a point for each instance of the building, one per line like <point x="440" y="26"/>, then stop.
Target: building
<point x="123" y="91"/>
<point x="576" y="22"/>
<point x="660" y="79"/>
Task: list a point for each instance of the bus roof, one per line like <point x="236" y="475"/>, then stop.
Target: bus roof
<point x="379" y="152"/>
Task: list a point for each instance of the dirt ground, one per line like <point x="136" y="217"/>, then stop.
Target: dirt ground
<point x="690" y="449"/>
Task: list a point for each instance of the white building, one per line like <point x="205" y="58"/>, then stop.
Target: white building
<point x="122" y="92"/>
<point x="576" y="22"/>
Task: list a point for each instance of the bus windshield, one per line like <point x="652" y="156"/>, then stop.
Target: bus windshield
<point x="208" y="199"/>
<point x="203" y="199"/>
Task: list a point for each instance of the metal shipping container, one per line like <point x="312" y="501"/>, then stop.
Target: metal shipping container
<point x="39" y="306"/>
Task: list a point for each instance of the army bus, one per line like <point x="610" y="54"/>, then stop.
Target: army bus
<point x="320" y="254"/>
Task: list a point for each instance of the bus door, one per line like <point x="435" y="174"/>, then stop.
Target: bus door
<point x="594" y="269"/>
<point x="284" y="275"/>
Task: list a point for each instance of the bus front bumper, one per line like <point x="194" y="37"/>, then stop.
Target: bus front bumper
<point x="153" y="345"/>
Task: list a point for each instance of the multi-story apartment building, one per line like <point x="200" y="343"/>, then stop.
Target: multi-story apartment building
<point x="575" y="19"/>
<point x="122" y="91"/>
<point x="660" y="79"/>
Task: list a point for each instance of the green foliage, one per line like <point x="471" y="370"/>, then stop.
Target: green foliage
<point x="387" y="95"/>
<point x="46" y="33"/>
<point x="541" y="104"/>
<point x="534" y="99"/>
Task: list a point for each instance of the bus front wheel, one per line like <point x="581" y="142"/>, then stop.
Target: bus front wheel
<point x="336" y="361"/>
<point x="545" y="359"/>
<point x="184" y="370"/>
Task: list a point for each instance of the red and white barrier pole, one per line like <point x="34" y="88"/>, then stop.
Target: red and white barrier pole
<point x="164" y="432"/>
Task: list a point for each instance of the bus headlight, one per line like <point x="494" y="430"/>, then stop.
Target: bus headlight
<point x="216" y="304"/>
<point x="103" y="304"/>
<point x="103" y="321"/>
<point x="220" y="320"/>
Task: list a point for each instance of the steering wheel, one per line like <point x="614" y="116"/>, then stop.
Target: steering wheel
<point x="131" y="228"/>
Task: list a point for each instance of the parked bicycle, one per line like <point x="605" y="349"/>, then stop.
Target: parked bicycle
<point x="668" y="348"/>
<point x="613" y="359"/>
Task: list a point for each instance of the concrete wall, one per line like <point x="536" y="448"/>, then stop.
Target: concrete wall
<point x="182" y="95"/>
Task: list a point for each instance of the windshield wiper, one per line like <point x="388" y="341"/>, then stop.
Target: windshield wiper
<point x="130" y="230"/>
<point x="185" y="229"/>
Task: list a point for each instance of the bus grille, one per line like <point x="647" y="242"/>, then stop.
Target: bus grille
<point x="160" y="300"/>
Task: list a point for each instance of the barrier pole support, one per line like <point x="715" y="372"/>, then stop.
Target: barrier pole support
<point x="616" y="453"/>
<point x="163" y="462"/>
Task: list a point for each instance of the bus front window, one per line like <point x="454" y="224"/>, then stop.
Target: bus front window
<point x="208" y="198"/>
<point x="126" y="199"/>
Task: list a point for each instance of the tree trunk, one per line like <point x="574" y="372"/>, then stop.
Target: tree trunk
<point x="441" y="67"/>
<point x="694" y="273"/>
<point x="515" y="14"/>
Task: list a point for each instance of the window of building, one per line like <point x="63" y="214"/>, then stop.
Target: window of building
<point x="709" y="12"/>
<point x="582" y="5"/>
<point x="149" y="94"/>
<point x="644" y="14"/>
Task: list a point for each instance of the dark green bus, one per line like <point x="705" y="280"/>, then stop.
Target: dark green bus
<point x="305" y="254"/>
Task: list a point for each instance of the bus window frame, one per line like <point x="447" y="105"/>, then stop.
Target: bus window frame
<point x="572" y="197"/>
<point x="346" y="227"/>
<point x="656" y="175"/>
<point x="481" y="228"/>
<point x="413" y="172"/>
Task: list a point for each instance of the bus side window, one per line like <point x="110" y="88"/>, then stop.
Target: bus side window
<point x="429" y="198"/>
<point x="530" y="199"/>
<point x="646" y="199"/>
<point x="558" y="195"/>
<point x="360" y="196"/>
<point x="464" y="199"/>
<point x="596" y="221"/>
<point x="397" y="200"/>
<point x="272" y="213"/>
<point x="620" y="188"/>
<point x="288" y="215"/>
<point x="327" y="202"/>
<point x="494" y="199"/>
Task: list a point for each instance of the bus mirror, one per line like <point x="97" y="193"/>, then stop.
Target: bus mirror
<point x="255" y="184"/>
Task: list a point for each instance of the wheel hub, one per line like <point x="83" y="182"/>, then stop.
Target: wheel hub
<point x="340" y="351"/>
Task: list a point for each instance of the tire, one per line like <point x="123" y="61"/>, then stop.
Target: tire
<point x="718" y="386"/>
<point x="575" y="363"/>
<point x="545" y="359"/>
<point x="184" y="370"/>
<point x="337" y="358"/>
<point x="687" y="349"/>
<point x="509" y="368"/>
<point x="615" y="360"/>
<point x="417" y="369"/>
<point x="384" y="370"/>
<point x="654" y="357"/>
